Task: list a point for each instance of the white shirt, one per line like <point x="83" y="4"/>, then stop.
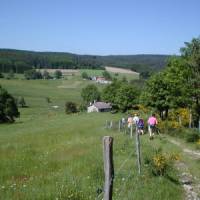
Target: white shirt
<point x="135" y="119"/>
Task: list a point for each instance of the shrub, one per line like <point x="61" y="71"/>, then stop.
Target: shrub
<point x="159" y="163"/>
<point x="82" y="107"/>
<point x="107" y="75"/>
<point x="57" y="74"/>
<point x="1" y="75"/>
<point x="85" y="75"/>
<point x="8" y="107"/>
<point x="70" y="107"/>
<point x="192" y="137"/>
<point x="180" y="115"/>
<point x="32" y="74"/>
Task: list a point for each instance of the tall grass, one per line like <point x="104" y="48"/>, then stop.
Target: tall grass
<point x="47" y="154"/>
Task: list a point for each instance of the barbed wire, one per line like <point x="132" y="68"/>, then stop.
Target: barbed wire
<point x="125" y="183"/>
<point x="118" y="171"/>
<point x="116" y="174"/>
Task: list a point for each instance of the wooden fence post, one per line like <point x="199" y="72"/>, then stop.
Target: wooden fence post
<point x="111" y="124"/>
<point x="137" y="135"/>
<point x="131" y="134"/>
<point x="108" y="167"/>
<point x="106" y="124"/>
<point x="119" y="125"/>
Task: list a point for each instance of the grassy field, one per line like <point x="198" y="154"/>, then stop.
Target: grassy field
<point x="114" y="75"/>
<point x="47" y="154"/>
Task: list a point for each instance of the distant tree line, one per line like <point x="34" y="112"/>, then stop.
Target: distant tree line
<point x="19" y="61"/>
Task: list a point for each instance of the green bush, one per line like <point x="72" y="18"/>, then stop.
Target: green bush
<point x="1" y="75"/>
<point x="192" y="137"/>
<point x="70" y="107"/>
<point x="82" y="107"/>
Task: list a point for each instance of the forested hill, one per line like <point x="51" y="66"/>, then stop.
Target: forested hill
<point x="20" y="60"/>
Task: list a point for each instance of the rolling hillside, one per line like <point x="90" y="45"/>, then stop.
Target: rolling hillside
<point x="19" y="61"/>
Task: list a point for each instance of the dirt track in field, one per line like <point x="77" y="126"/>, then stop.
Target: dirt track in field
<point x="120" y="70"/>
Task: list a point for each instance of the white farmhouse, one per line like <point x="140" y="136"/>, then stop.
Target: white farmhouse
<point x="99" y="107"/>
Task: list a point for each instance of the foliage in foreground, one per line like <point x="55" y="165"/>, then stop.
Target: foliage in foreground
<point x="178" y="86"/>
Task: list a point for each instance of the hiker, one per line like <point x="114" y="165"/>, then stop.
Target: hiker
<point x="152" y="122"/>
<point x="135" y="119"/>
<point x="140" y="126"/>
<point x="123" y="121"/>
<point x="130" y="121"/>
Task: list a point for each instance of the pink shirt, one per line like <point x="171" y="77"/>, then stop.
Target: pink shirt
<point x="152" y="121"/>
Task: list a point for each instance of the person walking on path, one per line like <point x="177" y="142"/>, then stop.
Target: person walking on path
<point x="135" y="119"/>
<point x="140" y="126"/>
<point x="152" y="122"/>
<point x="130" y="121"/>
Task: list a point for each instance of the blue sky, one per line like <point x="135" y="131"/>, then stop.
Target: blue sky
<point x="100" y="27"/>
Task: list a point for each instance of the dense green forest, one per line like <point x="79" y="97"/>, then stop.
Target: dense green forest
<point x="18" y="61"/>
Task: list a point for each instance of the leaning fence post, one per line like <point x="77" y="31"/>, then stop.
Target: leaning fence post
<point x="108" y="166"/>
<point x="138" y="149"/>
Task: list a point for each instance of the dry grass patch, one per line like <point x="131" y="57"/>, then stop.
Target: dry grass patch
<point x="120" y="70"/>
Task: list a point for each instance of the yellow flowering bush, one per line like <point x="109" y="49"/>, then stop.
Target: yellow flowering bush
<point x="180" y="115"/>
<point x="160" y="163"/>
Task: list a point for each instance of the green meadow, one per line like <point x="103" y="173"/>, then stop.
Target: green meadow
<point x="47" y="154"/>
<point x="119" y="76"/>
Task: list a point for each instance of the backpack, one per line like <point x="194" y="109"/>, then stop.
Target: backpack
<point x="140" y="123"/>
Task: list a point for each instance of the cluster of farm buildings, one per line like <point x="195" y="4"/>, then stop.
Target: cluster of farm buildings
<point x="100" y="79"/>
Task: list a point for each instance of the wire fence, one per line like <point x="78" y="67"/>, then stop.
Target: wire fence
<point x="116" y="175"/>
<point x="123" y="128"/>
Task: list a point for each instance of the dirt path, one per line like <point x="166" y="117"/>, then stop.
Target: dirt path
<point x="195" y="154"/>
<point x="191" y="184"/>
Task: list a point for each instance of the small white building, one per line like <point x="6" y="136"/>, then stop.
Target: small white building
<point x="99" y="107"/>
